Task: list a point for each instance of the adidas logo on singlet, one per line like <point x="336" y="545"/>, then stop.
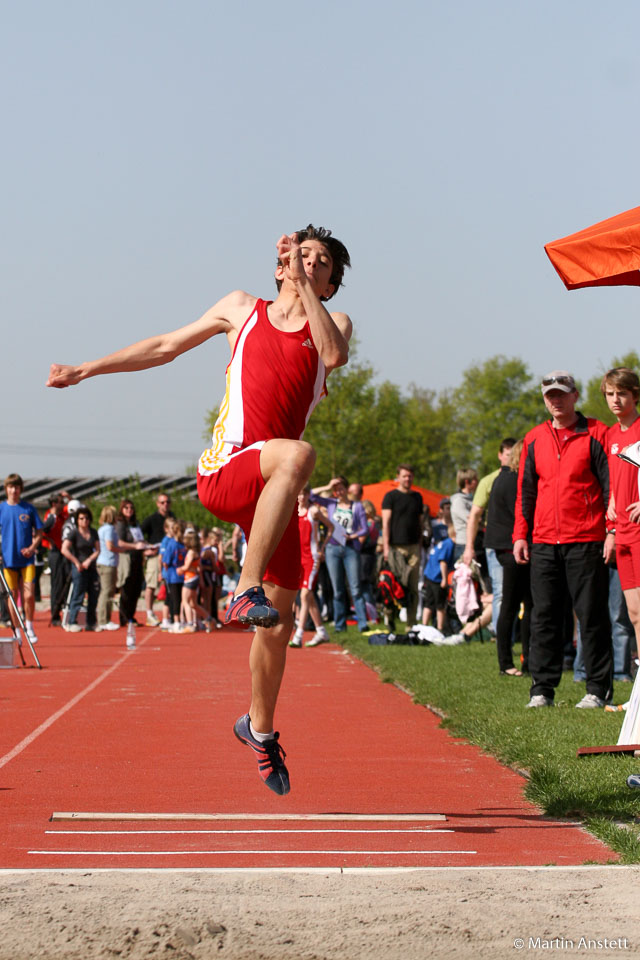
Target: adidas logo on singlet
<point x="308" y="343"/>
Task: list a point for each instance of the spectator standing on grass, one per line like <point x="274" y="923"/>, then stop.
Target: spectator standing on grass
<point x="342" y="552"/>
<point x="131" y="546"/>
<point x="368" y="551"/>
<point x="153" y="531"/>
<point x="563" y="489"/>
<point x="621" y="389"/>
<point x="107" y="567"/>
<point x="461" y="504"/>
<point x="81" y="547"/>
<point x="440" y="525"/>
<point x="435" y="583"/>
<point x="478" y="510"/>
<point x="21" y="530"/>
<point x="402" y="523"/>
<point x="516" y="586"/>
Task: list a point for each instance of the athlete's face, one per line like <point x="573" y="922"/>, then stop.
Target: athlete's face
<point x="318" y="266"/>
<point x="619" y="401"/>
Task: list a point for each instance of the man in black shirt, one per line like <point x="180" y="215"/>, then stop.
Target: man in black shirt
<point x="402" y="516"/>
<point x="153" y="531"/>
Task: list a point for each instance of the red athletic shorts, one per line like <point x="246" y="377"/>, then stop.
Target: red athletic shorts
<point x="309" y="573"/>
<point x="628" y="563"/>
<point x="231" y="494"/>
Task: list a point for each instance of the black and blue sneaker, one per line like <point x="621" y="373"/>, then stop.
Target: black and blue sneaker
<point x="634" y="781"/>
<point x="270" y="756"/>
<point x="252" y="608"/>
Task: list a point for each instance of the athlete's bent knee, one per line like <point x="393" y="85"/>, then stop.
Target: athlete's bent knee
<point x="295" y="461"/>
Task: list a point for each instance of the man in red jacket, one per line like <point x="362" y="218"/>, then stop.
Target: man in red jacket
<point x="563" y="492"/>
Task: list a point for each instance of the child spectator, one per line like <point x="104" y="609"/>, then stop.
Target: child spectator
<point x="173" y="557"/>
<point x="435" y="585"/>
<point x="190" y="571"/>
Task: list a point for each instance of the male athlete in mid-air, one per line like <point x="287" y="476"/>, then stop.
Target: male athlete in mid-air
<point x="257" y="462"/>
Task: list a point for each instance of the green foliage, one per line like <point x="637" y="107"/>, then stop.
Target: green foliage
<point x="488" y="710"/>
<point x="593" y="403"/>
<point x="496" y="399"/>
<point x="365" y="431"/>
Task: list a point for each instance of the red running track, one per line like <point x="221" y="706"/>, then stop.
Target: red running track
<point x="102" y="730"/>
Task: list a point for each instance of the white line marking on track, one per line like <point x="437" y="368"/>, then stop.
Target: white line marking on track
<point x="28" y="740"/>
<point x="130" y="833"/>
<point x="253" y="853"/>
<point x="334" y="817"/>
<point x="28" y="872"/>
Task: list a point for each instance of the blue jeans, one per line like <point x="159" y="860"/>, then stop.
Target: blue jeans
<point x="84" y="581"/>
<point x="495" y="575"/>
<point x="343" y="564"/>
<point x="622" y="634"/>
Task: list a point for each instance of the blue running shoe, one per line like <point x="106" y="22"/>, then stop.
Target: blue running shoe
<point x="252" y="608"/>
<point x="634" y="781"/>
<point x="270" y="756"/>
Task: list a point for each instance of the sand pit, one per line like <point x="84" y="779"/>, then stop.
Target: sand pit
<point x="446" y="913"/>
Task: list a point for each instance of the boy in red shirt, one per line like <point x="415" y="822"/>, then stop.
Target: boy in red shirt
<point x="621" y="389"/>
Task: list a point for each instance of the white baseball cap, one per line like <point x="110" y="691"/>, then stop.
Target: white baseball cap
<point x="558" y="380"/>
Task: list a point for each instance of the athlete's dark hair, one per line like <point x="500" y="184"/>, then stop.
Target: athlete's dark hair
<point x="623" y="379"/>
<point x="507" y="444"/>
<point x="337" y="249"/>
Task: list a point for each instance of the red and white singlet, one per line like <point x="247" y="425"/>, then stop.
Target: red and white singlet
<point x="274" y="381"/>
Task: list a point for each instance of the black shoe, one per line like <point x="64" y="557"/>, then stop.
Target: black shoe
<point x="252" y="608"/>
<point x="270" y="756"/>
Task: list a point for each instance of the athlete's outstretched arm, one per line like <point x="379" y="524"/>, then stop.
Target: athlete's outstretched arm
<point x="225" y="316"/>
<point x="330" y="332"/>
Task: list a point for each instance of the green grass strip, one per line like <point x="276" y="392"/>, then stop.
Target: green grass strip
<point x="488" y="710"/>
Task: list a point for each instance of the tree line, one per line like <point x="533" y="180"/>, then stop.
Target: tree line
<point x="364" y="429"/>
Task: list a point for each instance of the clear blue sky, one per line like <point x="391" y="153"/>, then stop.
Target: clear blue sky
<point x="153" y="152"/>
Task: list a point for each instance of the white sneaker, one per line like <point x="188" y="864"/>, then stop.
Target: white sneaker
<point x="539" y="700"/>
<point x="131" y="636"/>
<point x="111" y="626"/>
<point x="296" y="640"/>
<point x="31" y="635"/>
<point x="590" y="702"/>
<point x="152" y="620"/>
<point x="165" y="625"/>
<point x="74" y="627"/>
<point x="318" y="638"/>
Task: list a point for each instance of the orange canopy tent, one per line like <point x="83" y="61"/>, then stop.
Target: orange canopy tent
<point x="376" y="491"/>
<point x="606" y="254"/>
